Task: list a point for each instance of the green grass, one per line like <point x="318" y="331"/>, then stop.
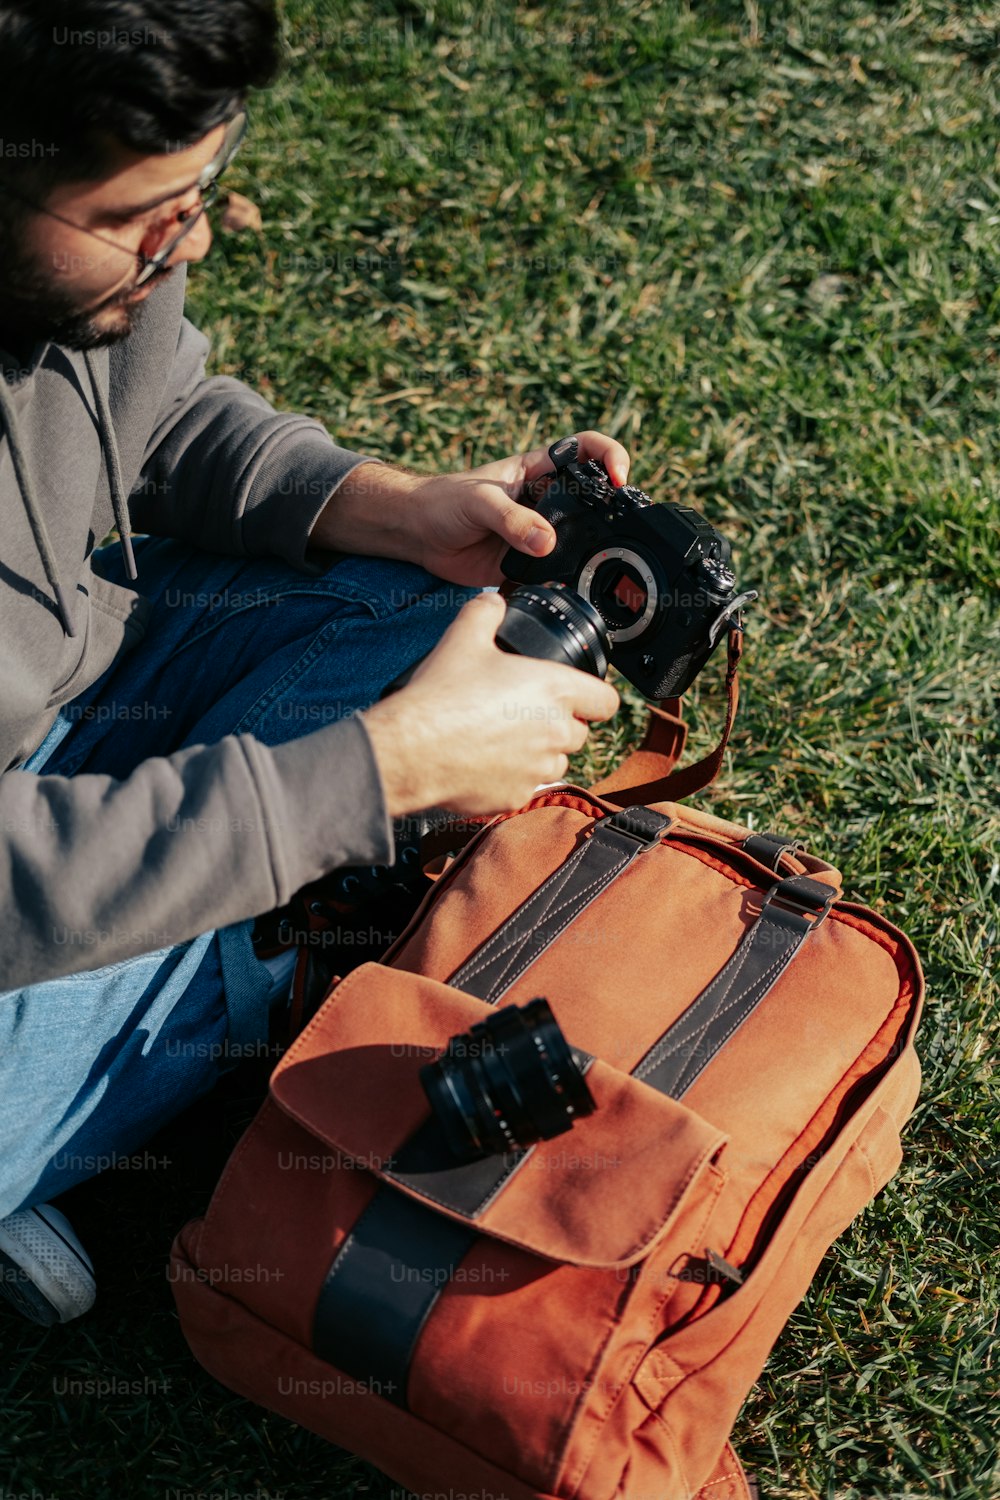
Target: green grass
<point x="761" y="245"/>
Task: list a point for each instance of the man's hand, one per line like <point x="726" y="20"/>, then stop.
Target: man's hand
<point x="457" y="526"/>
<point x="466" y="522"/>
<point x="476" y="729"/>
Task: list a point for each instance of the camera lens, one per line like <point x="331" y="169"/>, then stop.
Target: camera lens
<point x="509" y="1081"/>
<point x="552" y="622"/>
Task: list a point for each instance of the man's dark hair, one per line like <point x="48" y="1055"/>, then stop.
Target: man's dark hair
<point x="154" y="75"/>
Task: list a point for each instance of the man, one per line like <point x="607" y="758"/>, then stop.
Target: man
<point x="163" y="779"/>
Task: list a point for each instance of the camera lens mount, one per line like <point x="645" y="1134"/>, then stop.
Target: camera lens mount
<point x="622" y="587"/>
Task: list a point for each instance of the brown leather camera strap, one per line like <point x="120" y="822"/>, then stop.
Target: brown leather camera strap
<point x="648" y="774"/>
<point x="662" y="747"/>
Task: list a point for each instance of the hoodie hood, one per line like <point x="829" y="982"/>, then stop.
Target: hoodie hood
<point x="14" y="373"/>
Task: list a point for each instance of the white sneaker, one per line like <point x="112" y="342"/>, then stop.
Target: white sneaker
<point x="45" y="1273"/>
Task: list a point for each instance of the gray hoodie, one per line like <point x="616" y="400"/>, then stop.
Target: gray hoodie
<point x="212" y="834"/>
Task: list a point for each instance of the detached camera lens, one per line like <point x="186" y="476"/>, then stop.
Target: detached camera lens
<point x="552" y="622"/>
<point x="509" y="1081"/>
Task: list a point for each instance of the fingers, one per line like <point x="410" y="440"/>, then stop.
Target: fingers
<point x="574" y="727"/>
<point x="578" y="696"/>
<point x="606" y="450"/>
<point x="484" y="612"/>
<point x="581" y="695"/>
<point x="475" y="624"/>
<point x="577" y="736"/>
<point x="592" y="699"/>
<point x="555" y="769"/>
<point x="518" y="525"/>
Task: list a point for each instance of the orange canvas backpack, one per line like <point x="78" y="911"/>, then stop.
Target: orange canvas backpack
<point x="581" y="1319"/>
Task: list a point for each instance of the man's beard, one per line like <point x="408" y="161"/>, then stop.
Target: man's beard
<point x="32" y="310"/>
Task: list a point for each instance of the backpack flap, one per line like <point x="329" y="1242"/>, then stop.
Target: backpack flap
<point x="456" y="1291"/>
<point x="602" y="1194"/>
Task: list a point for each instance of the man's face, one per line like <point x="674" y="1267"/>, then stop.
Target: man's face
<point x="71" y="279"/>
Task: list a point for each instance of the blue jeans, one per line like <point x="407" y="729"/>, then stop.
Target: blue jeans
<point x="93" y="1064"/>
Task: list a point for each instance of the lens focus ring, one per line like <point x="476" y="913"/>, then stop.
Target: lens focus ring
<point x="553" y="623"/>
<point x="510" y="1081"/>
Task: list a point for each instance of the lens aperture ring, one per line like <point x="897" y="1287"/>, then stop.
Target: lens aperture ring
<point x="575" y="614"/>
<point x="509" y="1081"/>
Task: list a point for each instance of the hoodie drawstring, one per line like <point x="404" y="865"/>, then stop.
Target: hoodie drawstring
<point x="23" y="476"/>
<point x="119" y="500"/>
<point x="22" y="473"/>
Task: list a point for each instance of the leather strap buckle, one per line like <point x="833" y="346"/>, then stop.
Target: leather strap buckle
<point x="769" y="847"/>
<point x="799" y="902"/>
<point x="640" y="823"/>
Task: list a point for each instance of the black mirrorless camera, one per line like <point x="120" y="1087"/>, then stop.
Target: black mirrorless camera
<point x="645" y="588"/>
<point x="656" y="578"/>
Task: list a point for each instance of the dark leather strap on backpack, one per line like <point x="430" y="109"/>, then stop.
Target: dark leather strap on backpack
<point x="608" y="851"/>
<point x="791" y="910"/>
<point x="769" y="847"/>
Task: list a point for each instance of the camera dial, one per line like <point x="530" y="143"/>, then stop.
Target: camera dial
<point x="716" y="579"/>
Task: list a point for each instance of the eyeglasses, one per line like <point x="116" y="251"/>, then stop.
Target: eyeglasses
<point x="208" y="190"/>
